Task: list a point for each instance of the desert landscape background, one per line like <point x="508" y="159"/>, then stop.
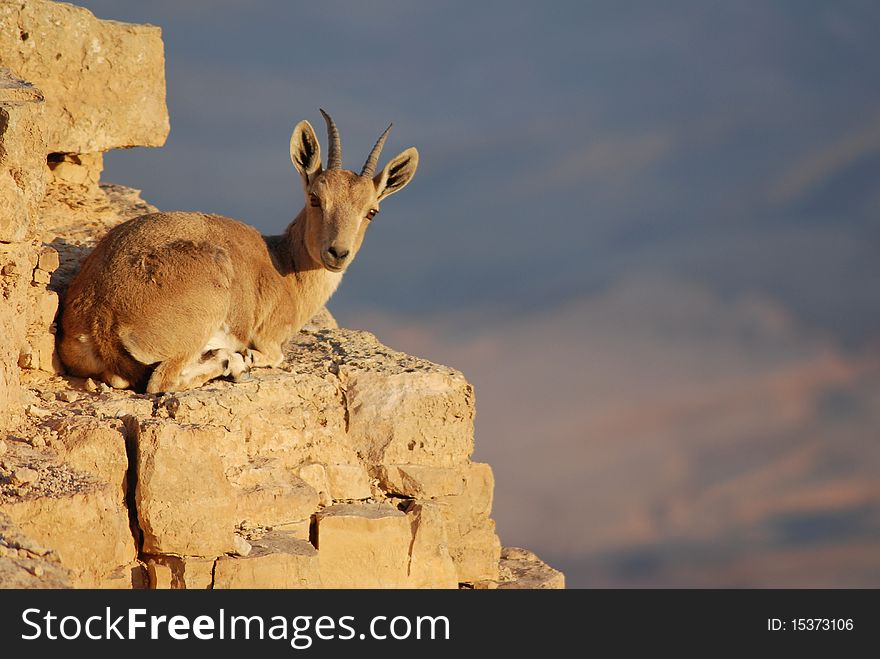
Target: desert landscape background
<point x="648" y="235"/>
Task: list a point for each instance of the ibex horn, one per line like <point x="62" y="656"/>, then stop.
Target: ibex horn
<point x="373" y="158"/>
<point x="334" y="157"/>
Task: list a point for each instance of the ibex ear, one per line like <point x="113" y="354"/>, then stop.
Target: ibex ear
<point x="305" y="151"/>
<point x="397" y="173"/>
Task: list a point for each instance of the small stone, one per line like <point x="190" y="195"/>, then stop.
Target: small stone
<point x="26" y="357"/>
<point x="3" y="447"/>
<point x="4" y="551"/>
<point x="11" y="269"/>
<point x="25" y="475"/>
<point x="41" y="277"/>
<point x="38" y="442"/>
<point x="23" y="553"/>
<point x="38" y="570"/>
<point x="38" y="412"/>
<point x="241" y="547"/>
<point x="49" y="260"/>
<point x="67" y="396"/>
<point x="91" y="386"/>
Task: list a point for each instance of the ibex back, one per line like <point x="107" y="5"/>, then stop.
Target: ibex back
<point x="168" y="301"/>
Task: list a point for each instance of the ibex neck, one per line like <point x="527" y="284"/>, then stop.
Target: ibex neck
<point x="309" y="285"/>
<point x="290" y="252"/>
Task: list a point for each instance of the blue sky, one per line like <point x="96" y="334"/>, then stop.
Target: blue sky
<point x="710" y="167"/>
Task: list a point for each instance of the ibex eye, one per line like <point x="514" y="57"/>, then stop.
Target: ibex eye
<point x="371" y="213"/>
<point x="314" y="201"/>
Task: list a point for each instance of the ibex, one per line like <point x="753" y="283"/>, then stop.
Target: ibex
<point x="171" y="300"/>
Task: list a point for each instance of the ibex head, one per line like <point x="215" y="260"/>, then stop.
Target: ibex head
<point x="339" y="204"/>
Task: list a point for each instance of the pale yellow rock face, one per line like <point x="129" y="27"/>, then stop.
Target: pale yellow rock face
<point x="423" y="416"/>
<point x="22" y="185"/>
<point x="14" y="279"/>
<point x="315" y="475"/>
<point x="159" y="575"/>
<point x="421" y="481"/>
<point x="473" y="504"/>
<point x="82" y="520"/>
<point x="275" y="561"/>
<point x="88" y="530"/>
<point x="104" y="81"/>
<point x="473" y="542"/>
<point x="348" y="481"/>
<point x="178" y="573"/>
<point x="522" y="569"/>
<point x="274" y="504"/>
<point x="23" y="147"/>
<point x="28" y="564"/>
<point x="77" y="169"/>
<point x="476" y="553"/>
<point x="94" y="446"/>
<point x="185" y="504"/>
<point x="430" y="564"/>
<point x="300" y="530"/>
<point x="363" y="546"/>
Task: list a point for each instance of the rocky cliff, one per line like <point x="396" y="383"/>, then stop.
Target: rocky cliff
<point x="347" y="466"/>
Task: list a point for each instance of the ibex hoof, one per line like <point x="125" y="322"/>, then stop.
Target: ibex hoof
<point x="236" y="367"/>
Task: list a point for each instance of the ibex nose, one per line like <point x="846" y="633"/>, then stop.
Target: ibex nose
<point x="337" y="253"/>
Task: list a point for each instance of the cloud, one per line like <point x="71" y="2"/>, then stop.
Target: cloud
<point x="813" y="169"/>
<point x="608" y="160"/>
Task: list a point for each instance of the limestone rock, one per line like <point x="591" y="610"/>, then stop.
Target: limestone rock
<point x="22" y="186"/>
<point x="158" y="575"/>
<point x="24" y="476"/>
<point x="185" y="503"/>
<point x="94" y="446"/>
<point x="242" y="546"/>
<point x="363" y="546"/>
<point x="301" y="530"/>
<point x="275" y="503"/>
<point x="430" y="565"/>
<point x="77" y="169"/>
<point x="473" y="543"/>
<point x="125" y="577"/>
<point x="403" y="410"/>
<point x="104" y="81"/>
<point x="476" y="553"/>
<point x="521" y="568"/>
<point x="321" y="320"/>
<point x="276" y="561"/>
<point x="87" y="529"/>
<point x="468" y="509"/>
<point x="22" y="150"/>
<point x="175" y="572"/>
<point x="348" y="481"/>
<point x="421" y="481"/>
<point x="315" y="475"/>
<point x="25" y="564"/>
<point x="262" y="419"/>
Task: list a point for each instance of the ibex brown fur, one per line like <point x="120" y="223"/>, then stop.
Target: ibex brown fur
<point x="171" y="300"/>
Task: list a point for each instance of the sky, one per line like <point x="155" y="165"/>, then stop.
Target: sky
<point x="647" y="233"/>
